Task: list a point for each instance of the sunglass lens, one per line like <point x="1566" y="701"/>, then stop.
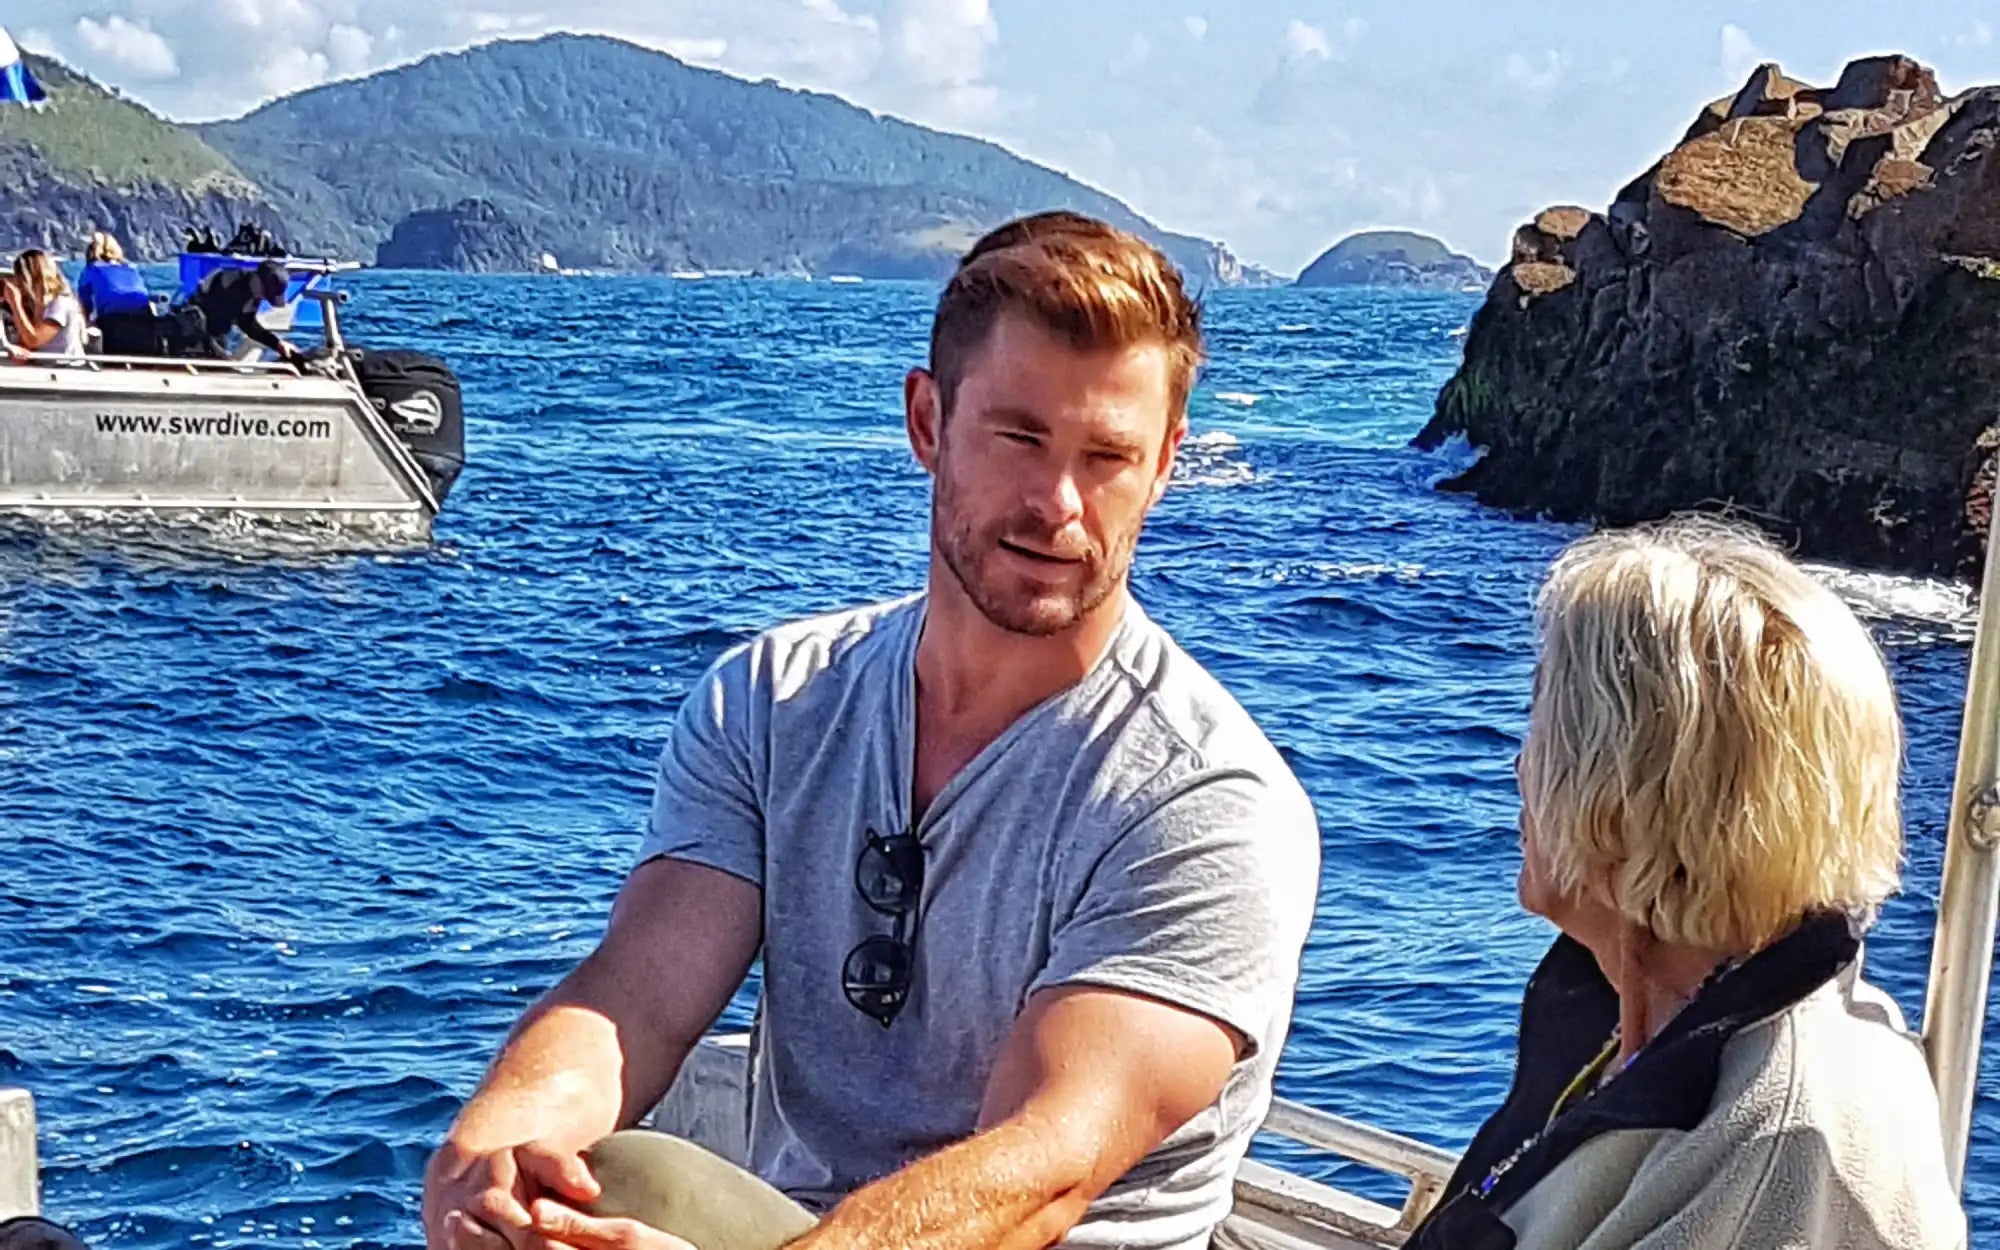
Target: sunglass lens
<point x="877" y="977"/>
<point x="890" y="873"/>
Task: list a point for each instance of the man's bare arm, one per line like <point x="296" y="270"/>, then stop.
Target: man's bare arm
<point x="1089" y="1082"/>
<point x="598" y="1050"/>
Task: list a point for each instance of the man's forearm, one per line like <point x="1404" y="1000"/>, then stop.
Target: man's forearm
<point x="565" y="1076"/>
<point x="257" y="332"/>
<point x="1011" y="1186"/>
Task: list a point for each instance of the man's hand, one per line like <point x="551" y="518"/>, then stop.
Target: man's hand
<point x="481" y="1201"/>
<point x="19" y="355"/>
<point x="565" y="1228"/>
<point x="595" y="1052"/>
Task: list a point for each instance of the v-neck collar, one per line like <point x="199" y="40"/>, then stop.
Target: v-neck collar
<point x="905" y="714"/>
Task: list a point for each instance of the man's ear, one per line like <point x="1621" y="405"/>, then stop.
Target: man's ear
<point x="923" y="416"/>
<point x="1169" y="450"/>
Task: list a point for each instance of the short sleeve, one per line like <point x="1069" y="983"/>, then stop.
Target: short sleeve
<point x="706" y="804"/>
<point x="1203" y="903"/>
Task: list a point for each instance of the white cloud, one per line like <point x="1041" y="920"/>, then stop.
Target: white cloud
<point x="939" y="50"/>
<point x="695" y="51"/>
<point x="1195" y="25"/>
<point x="1304" y="41"/>
<point x="1980" y="36"/>
<point x="349" y="49"/>
<point x="1537" y="73"/>
<point x="132" y="47"/>
<point x="1740" y="53"/>
<point x="1135" y="56"/>
<point x="1353" y="28"/>
<point x="291" y="69"/>
<point x="503" y="23"/>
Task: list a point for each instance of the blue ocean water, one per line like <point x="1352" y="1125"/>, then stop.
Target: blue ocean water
<point x="290" y="841"/>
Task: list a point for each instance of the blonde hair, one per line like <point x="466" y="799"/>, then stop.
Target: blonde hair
<point x="1095" y="285"/>
<point x="40" y="275"/>
<point x="105" y="247"/>
<point x="1714" y="748"/>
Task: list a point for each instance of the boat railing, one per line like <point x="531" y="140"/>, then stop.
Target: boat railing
<point x="1425" y="1167"/>
<point x="1969" y="892"/>
<point x="154" y="364"/>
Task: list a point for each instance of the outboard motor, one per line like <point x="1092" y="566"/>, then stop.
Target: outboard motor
<point x="417" y="394"/>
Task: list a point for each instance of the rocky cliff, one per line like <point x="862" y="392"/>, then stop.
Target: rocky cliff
<point x="1794" y="314"/>
<point x="1395" y="258"/>
<point x="472" y="236"/>
<point x="93" y="160"/>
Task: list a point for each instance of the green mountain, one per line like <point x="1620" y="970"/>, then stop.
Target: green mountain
<point x="608" y="155"/>
<point x="91" y="159"/>
<point x="1395" y="258"/>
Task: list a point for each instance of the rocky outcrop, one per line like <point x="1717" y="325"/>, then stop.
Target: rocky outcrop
<point x="1395" y="258"/>
<point x="472" y="236"/>
<point x="57" y="212"/>
<point x="92" y="160"/>
<point x="1795" y="314"/>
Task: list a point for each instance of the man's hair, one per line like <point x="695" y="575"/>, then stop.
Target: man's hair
<point x="1714" y="748"/>
<point x="106" y="248"/>
<point x="1095" y="285"/>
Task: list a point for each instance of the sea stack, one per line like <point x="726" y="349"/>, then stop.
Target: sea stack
<point x="1395" y="258"/>
<point x="472" y="236"/>
<point x="1794" y="315"/>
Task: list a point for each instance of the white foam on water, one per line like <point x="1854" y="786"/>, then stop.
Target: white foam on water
<point x="1300" y="328"/>
<point x="237" y="535"/>
<point x="1904" y="609"/>
<point x="1244" y="399"/>
<point x="1352" y="571"/>
<point x="1212" y="458"/>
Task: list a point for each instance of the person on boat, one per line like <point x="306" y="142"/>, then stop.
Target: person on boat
<point x="1709" y="814"/>
<point x="13" y="315"/>
<point x="48" y="318"/>
<point x="1030" y="888"/>
<point x="233" y="297"/>
<point x="114" y="298"/>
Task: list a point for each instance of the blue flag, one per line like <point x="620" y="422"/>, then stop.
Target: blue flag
<point x="17" y="85"/>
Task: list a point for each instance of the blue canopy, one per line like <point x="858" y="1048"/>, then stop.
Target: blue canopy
<point x="17" y="85"/>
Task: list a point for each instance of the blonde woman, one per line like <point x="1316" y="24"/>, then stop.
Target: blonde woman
<point x="1710" y="815"/>
<point x="114" y="298"/>
<point x="53" y="323"/>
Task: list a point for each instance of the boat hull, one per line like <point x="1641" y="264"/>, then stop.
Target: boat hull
<point x="175" y="439"/>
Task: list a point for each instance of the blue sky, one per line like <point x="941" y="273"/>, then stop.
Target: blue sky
<point x="1276" y="126"/>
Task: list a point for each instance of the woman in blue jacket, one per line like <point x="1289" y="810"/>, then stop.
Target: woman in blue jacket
<point x="115" y="298"/>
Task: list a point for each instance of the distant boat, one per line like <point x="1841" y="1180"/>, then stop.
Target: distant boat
<point x="688" y="275"/>
<point x="846" y="279"/>
<point x="549" y="264"/>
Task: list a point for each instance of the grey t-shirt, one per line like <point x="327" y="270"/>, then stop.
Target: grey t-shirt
<point x="1134" y="831"/>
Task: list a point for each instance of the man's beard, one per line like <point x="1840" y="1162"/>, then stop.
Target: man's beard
<point x="1005" y="597"/>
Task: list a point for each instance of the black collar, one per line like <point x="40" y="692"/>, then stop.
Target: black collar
<point x="1568" y="1010"/>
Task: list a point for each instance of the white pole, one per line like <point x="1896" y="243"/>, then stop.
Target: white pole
<point x="1969" y="894"/>
<point x="18" y="1191"/>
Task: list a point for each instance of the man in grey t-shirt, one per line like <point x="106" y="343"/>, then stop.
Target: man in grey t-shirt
<point x="1029" y="886"/>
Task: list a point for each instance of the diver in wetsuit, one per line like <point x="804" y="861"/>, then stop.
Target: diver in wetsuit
<point x="232" y="297"/>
